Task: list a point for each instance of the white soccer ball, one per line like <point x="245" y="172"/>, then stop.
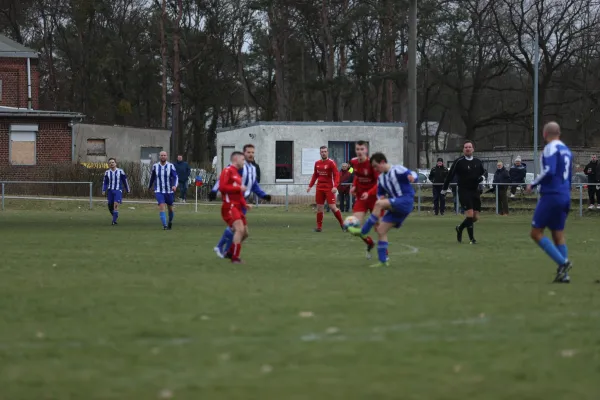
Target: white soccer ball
<point x="351" y="222"/>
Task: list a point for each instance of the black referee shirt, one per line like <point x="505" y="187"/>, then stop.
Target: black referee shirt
<point x="469" y="170"/>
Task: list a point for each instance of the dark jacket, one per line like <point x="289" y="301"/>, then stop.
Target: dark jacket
<point x="438" y="174"/>
<point x="502" y="176"/>
<point x="345" y="177"/>
<point x="257" y="170"/>
<point x="518" y="174"/>
<point x="183" y="170"/>
<point x="592" y="170"/>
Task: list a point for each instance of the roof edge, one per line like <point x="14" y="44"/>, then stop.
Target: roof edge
<point x="18" y="54"/>
<point x="310" y="123"/>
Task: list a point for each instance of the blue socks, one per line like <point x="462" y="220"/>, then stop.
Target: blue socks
<point x="226" y="240"/>
<point x="163" y="218"/>
<point x="115" y="215"/>
<point x="372" y="220"/>
<point x="382" y="250"/>
<point x="553" y="252"/>
<point x="171" y="215"/>
<point x="562" y="248"/>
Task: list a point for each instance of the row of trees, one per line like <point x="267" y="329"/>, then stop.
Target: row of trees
<point x="212" y="63"/>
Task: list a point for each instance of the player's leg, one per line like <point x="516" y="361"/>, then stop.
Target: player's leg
<point x="117" y="200"/>
<point x="238" y="235"/>
<point x="476" y="210"/>
<point x="169" y="200"/>
<point x="320" y="200"/>
<point x="466" y="201"/>
<point x="383" y="204"/>
<point x="382" y="242"/>
<point x="359" y="210"/>
<point x="548" y="215"/>
<point x="224" y="243"/>
<point x="333" y="207"/>
<point x="111" y="202"/>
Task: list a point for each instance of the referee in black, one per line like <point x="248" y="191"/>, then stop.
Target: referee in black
<point x="469" y="171"/>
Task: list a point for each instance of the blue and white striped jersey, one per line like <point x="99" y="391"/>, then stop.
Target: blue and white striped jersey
<point x="115" y="180"/>
<point x="248" y="173"/>
<point x="557" y="167"/>
<point x="164" y="177"/>
<point x="395" y="183"/>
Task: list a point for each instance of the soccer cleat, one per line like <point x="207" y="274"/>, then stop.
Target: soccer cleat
<point x="165" y="228"/>
<point x="473" y="241"/>
<point x="355" y="231"/>
<point x="237" y="261"/>
<point x="369" y="248"/>
<point x="170" y="225"/>
<point x="380" y="264"/>
<point x="458" y="234"/>
<point x="114" y="223"/>
<point x="562" y="272"/>
<point x="318" y="230"/>
<point x="219" y="252"/>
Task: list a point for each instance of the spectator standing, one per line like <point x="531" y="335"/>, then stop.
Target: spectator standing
<point x="437" y="176"/>
<point x="183" y="172"/>
<point x="344" y="188"/>
<point x="517" y="175"/>
<point x="592" y="170"/>
<point x="500" y="186"/>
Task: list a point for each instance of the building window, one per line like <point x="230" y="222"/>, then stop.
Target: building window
<point x="284" y="161"/>
<point x="22" y="144"/>
<point x="96" y="147"/>
<point x="342" y="152"/>
<point x="0" y="91"/>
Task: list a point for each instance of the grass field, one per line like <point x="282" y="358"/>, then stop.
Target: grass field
<point x="90" y="311"/>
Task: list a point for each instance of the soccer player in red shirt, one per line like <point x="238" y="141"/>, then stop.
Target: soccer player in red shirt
<point x="232" y="191"/>
<point x="364" y="187"/>
<point x="327" y="177"/>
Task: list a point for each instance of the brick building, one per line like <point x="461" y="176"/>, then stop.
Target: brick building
<point x="32" y="141"/>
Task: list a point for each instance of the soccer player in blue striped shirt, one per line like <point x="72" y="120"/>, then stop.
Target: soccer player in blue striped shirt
<point x="115" y="181"/>
<point x="555" y="200"/>
<point x="164" y="181"/>
<point x="396" y="196"/>
<point x="248" y="174"/>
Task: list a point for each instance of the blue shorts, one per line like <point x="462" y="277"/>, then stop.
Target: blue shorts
<point x="114" y="196"/>
<point x="165" y="198"/>
<point x="551" y="212"/>
<point x="401" y="208"/>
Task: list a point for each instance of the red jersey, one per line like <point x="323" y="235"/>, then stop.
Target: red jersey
<point x="230" y="184"/>
<point x="365" y="176"/>
<point x="326" y="175"/>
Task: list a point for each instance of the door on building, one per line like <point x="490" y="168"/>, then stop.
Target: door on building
<point x="148" y="156"/>
<point x="226" y="155"/>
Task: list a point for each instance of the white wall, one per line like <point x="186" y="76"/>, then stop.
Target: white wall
<point x="387" y="138"/>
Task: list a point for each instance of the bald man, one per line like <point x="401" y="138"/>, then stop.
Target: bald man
<point x="555" y="200"/>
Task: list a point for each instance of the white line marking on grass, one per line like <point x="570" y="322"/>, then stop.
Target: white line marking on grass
<point x="411" y="249"/>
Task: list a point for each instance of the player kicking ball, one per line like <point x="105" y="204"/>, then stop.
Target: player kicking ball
<point x="327" y="177"/>
<point x="396" y="197"/>
<point x="364" y="187"/>
<point x="234" y="204"/>
<point x="555" y="201"/>
<point x="115" y="181"/>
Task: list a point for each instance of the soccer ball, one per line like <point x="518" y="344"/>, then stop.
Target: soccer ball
<point x="351" y="221"/>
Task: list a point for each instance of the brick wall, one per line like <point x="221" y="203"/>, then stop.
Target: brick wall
<point x="53" y="147"/>
<point x="13" y="73"/>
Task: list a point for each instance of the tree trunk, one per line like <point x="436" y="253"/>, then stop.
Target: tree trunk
<point x="390" y="55"/>
<point x="278" y="39"/>
<point x="305" y="115"/>
<point x="163" y="56"/>
<point x="178" y="145"/>
<point x="329" y="56"/>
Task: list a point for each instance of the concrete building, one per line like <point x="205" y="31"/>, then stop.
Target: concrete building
<point x="97" y="143"/>
<point x="32" y="141"/>
<point x="287" y="151"/>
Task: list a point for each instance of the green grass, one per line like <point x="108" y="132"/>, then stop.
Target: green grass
<point x="88" y="311"/>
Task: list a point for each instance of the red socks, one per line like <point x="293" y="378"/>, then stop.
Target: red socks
<point x="368" y="241"/>
<point x="319" y="220"/>
<point x="235" y="250"/>
<point x="338" y="216"/>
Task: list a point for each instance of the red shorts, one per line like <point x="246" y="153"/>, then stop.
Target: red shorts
<point x="232" y="213"/>
<point x="364" y="205"/>
<point x="325" y="195"/>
